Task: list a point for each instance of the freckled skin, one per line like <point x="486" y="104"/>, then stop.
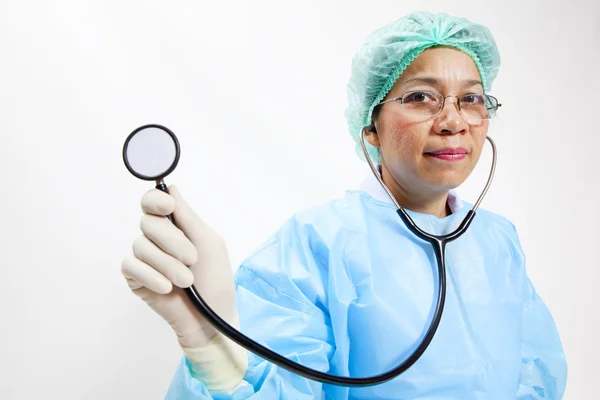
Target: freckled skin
<point x="418" y="181"/>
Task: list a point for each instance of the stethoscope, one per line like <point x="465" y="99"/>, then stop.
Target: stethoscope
<point x="151" y="152"/>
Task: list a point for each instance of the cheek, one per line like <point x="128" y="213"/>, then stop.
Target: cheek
<point x="402" y="141"/>
<point x="479" y="138"/>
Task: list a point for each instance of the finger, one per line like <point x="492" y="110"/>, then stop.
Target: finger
<point x="193" y="227"/>
<point x="132" y="283"/>
<point x="169" y="238"/>
<point x="170" y="267"/>
<point x="140" y="274"/>
<point x="157" y="202"/>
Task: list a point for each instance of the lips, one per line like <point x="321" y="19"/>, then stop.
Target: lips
<point x="449" y="154"/>
<point x="448" y="150"/>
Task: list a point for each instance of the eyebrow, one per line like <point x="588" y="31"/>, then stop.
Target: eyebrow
<point x="434" y="81"/>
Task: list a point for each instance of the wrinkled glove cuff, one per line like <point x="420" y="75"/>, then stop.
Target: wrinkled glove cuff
<point x="220" y="365"/>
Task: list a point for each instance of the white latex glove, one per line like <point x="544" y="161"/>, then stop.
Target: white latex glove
<point x="167" y="258"/>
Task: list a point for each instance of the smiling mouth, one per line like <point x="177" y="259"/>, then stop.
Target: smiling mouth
<point x="448" y="154"/>
<point x="448" y="157"/>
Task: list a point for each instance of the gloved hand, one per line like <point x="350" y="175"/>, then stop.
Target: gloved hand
<point x="167" y="258"/>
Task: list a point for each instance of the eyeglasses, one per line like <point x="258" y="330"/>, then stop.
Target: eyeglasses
<point x="473" y="107"/>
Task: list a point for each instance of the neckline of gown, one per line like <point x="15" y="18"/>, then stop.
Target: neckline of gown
<point x="372" y="189"/>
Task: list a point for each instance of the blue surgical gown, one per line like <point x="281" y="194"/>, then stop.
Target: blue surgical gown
<point x="346" y="288"/>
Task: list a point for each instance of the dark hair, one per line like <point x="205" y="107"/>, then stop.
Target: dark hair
<point x="375" y="114"/>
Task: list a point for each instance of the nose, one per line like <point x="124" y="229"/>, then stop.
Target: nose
<point x="450" y="121"/>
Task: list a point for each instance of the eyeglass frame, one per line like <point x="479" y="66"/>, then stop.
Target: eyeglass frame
<point x="401" y="98"/>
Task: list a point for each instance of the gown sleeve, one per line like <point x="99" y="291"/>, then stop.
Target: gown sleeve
<point x="543" y="373"/>
<point x="281" y="303"/>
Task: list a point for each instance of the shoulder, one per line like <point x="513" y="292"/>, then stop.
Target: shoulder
<point x="494" y="218"/>
<point x="292" y="266"/>
<point x="495" y="224"/>
<point x="313" y="229"/>
<point x="341" y="211"/>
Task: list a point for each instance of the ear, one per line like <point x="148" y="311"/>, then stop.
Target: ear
<point x="371" y="136"/>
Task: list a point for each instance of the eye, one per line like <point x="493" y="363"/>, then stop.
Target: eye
<point x="418" y="97"/>
<point x="473" y="99"/>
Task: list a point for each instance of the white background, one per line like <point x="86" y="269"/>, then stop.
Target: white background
<point x="255" y="91"/>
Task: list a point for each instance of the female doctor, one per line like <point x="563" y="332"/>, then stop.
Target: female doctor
<point x="345" y="287"/>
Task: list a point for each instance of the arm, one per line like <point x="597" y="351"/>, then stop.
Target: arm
<point x="543" y="372"/>
<point x="544" y="368"/>
<point x="279" y="297"/>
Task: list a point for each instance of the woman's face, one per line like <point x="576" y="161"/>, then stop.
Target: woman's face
<point x="405" y="141"/>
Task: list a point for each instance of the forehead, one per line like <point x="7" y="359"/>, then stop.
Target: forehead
<point x="443" y="63"/>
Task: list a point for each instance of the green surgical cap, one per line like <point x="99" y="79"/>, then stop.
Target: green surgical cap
<point x="388" y="51"/>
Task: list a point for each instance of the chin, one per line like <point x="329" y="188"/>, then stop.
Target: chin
<point x="445" y="183"/>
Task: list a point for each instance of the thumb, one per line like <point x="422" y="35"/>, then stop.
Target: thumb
<point x="188" y="221"/>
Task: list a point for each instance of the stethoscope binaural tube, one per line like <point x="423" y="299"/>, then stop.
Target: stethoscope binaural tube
<point x="438" y="243"/>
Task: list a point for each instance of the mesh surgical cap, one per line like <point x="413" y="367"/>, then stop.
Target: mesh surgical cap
<point x="388" y="51"/>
